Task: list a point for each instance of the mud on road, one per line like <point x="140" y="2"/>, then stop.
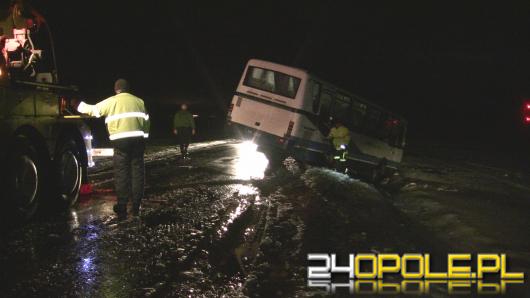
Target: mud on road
<point x="216" y="225"/>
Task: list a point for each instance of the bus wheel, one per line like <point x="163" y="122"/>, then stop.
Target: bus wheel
<point x="25" y="179"/>
<point x="377" y="173"/>
<point x="69" y="173"/>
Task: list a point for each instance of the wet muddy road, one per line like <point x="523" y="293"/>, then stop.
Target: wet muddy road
<point x="218" y="224"/>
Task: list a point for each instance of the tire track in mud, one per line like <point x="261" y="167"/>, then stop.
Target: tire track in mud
<point x="226" y="251"/>
<point x="212" y="252"/>
<point x="196" y="236"/>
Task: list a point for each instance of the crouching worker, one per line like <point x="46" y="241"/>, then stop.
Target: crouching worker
<point x="128" y="126"/>
<point x="340" y="138"/>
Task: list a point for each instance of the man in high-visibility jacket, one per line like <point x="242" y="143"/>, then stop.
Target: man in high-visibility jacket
<point x="128" y="126"/>
<point x="340" y="137"/>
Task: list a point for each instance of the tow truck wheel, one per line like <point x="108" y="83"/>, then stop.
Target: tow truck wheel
<point x="26" y="179"/>
<point x="70" y="173"/>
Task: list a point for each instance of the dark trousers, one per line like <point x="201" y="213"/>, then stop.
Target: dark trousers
<point x="129" y="171"/>
<point x="184" y="139"/>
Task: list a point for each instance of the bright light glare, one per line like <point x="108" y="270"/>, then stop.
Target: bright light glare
<point x="251" y="164"/>
<point x="247" y="147"/>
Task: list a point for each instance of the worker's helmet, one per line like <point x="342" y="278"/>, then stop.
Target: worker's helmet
<point x="122" y="85"/>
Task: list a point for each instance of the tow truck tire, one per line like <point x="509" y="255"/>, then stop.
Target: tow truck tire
<point x="69" y="173"/>
<point x="26" y="179"/>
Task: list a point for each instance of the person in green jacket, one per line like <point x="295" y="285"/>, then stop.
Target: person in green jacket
<point x="340" y="138"/>
<point x="183" y="128"/>
<point x="339" y="135"/>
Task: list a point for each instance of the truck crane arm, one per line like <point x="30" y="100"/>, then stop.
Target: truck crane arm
<point x="20" y="58"/>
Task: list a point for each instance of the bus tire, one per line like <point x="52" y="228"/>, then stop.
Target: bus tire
<point x="274" y="156"/>
<point x="378" y="172"/>
<point x="26" y="179"/>
<point x="69" y="173"/>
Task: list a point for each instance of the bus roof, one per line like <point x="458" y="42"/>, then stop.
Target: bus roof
<point x="302" y="73"/>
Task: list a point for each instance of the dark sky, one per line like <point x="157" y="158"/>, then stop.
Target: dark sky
<point x="449" y="68"/>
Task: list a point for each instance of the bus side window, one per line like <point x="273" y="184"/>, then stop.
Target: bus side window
<point x="358" y="113"/>
<point x="325" y="107"/>
<point x="372" y="122"/>
<point x="341" y="109"/>
<point x="315" y="96"/>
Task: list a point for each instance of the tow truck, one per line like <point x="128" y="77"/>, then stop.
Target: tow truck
<point x="46" y="148"/>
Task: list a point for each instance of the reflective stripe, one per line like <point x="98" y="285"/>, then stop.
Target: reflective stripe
<point x="127" y="115"/>
<point x="128" y="134"/>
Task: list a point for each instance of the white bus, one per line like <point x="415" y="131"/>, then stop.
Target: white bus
<point x="282" y="107"/>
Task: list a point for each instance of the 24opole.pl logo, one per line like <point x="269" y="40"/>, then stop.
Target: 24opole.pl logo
<point x="412" y="273"/>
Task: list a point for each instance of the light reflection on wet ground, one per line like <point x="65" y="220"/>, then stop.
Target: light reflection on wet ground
<point x="247" y="195"/>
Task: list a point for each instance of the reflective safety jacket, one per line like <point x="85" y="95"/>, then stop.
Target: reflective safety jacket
<point x="340" y="136"/>
<point x="125" y="114"/>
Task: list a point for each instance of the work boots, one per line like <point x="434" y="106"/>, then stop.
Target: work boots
<point x="121" y="211"/>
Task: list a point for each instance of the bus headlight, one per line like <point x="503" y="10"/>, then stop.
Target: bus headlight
<point x="250" y="164"/>
<point x="247" y="147"/>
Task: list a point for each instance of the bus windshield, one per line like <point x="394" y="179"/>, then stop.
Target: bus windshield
<point x="272" y="81"/>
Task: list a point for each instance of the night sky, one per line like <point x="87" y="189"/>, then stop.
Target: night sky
<point x="454" y="71"/>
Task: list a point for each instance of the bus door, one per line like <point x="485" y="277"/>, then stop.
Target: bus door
<point x="325" y="112"/>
